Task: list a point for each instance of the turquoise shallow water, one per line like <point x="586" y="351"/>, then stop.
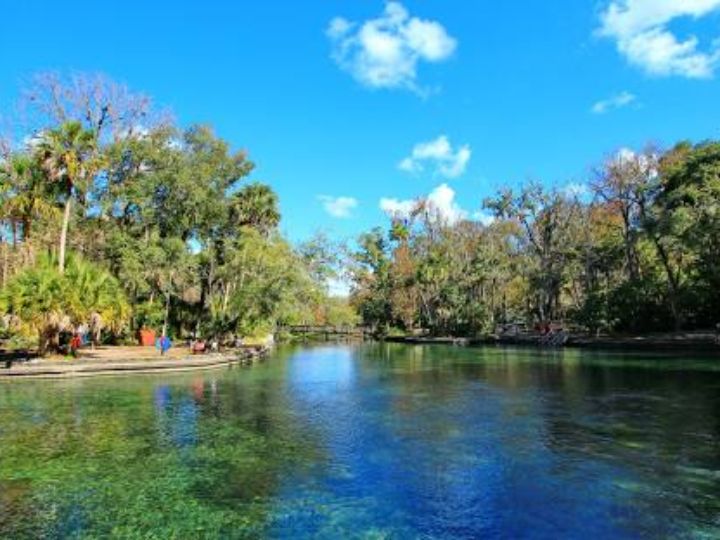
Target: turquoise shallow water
<point x="371" y="441"/>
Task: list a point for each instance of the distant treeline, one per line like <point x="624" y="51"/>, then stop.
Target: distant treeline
<point x="637" y="250"/>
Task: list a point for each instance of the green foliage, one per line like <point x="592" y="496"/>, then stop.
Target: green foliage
<point x="641" y="255"/>
<point x="24" y="194"/>
<point x="249" y="299"/>
<point x="254" y="206"/>
<point x="149" y="315"/>
<point x="371" y="275"/>
<point x="339" y="312"/>
<point x="48" y="301"/>
<point x="165" y="210"/>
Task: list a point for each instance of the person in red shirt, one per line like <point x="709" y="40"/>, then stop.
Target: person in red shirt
<point x="75" y="344"/>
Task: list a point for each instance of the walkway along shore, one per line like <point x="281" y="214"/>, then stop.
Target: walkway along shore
<point x="697" y="342"/>
<point x="130" y="360"/>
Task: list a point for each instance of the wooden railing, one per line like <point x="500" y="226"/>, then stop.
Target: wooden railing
<point x="327" y="331"/>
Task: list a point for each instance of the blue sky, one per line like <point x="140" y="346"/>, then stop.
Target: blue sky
<point x="344" y="104"/>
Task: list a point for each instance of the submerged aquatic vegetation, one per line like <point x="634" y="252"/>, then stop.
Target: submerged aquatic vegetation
<point x="373" y="441"/>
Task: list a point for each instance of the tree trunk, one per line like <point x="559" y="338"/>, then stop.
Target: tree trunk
<point x="48" y="339"/>
<point x="42" y="342"/>
<point x="5" y="264"/>
<point x="167" y="314"/>
<point x="226" y="297"/>
<point x="26" y="228"/>
<point x="673" y="284"/>
<point x="63" y="235"/>
<point x="631" y="256"/>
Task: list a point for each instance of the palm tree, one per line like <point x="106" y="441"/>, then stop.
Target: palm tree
<point x="99" y="300"/>
<point x="255" y="206"/>
<point x="49" y="302"/>
<point x="37" y="296"/>
<point x="26" y="197"/>
<point x="68" y="156"/>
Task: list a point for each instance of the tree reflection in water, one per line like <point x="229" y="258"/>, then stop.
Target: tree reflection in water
<point x="373" y="440"/>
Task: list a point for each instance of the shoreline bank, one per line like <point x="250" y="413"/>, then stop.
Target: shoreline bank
<point x="130" y="360"/>
<point x="682" y="342"/>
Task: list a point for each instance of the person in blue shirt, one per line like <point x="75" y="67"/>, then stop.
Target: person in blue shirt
<point x="163" y="344"/>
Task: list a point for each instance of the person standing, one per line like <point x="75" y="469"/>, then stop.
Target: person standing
<point x="165" y="345"/>
<point x="75" y="344"/>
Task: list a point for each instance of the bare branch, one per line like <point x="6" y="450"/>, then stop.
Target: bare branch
<point x="102" y="105"/>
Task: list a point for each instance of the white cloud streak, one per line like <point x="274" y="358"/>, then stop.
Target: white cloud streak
<point x="385" y="52"/>
<point x="486" y="218"/>
<point x="338" y="207"/>
<point x="397" y="208"/>
<point x="439" y="153"/>
<point x="440" y="202"/>
<point x="641" y="31"/>
<point x="576" y="190"/>
<point x="646" y="163"/>
<point x="618" y="101"/>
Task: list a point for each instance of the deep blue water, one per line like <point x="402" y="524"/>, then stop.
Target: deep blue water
<point x="372" y="441"/>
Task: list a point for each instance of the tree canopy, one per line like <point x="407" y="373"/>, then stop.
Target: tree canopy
<point x="639" y="251"/>
<point x="159" y="221"/>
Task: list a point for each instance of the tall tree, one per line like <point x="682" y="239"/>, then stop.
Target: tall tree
<point x="255" y="206"/>
<point x="684" y="221"/>
<point x="68" y="156"/>
<point x="546" y="217"/>
<point x="624" y="183"/>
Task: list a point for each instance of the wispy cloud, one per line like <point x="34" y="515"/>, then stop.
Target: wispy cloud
<point x="645" y="162"/>
<point x="385" y="52"/>
<point x="398" y="208"/>
<point x="440" y="155"/>
<point x="618" y="101"/>
<point x="576" y="190"/>
<point x="338" y="207"/>
<point x="484" y="217"/>
<point x="440" y="201"/>
<point x="641" y="31"/>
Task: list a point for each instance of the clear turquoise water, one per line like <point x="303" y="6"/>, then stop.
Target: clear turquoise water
<point x="373" y="441"/>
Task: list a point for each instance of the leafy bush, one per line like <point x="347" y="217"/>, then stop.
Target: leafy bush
<point x="48" y="302"/>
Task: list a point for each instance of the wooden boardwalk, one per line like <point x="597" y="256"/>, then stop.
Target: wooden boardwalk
<point x="327" y="332"/>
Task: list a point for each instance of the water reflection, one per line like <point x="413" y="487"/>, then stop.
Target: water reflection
<point x="450" y="442"/>
<point x="371" y="441"/>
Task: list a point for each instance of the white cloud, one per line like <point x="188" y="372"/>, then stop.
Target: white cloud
<point x="624" y="155"/>
<point x="640" y="29"/>
<point x="174" y="143"/>
<point x="646" y="163"/>
<point x="440" y="202"/>
<point x="339" y="287"/>
<point x="385" y="52"/>
<point x="618" y="101"/>
<point x="338" y="207"/>
<point x="486" y="218"/>
<point x="576" y="189"/>
<point x="446" y="161"/>
<point x="338" y="27"/>
<point x="137" y="131"/>
<point x="31" y="142"/>
<point x="398" y="208"/>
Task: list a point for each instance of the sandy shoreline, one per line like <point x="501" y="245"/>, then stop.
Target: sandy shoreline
<point x="126" y="360"/>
